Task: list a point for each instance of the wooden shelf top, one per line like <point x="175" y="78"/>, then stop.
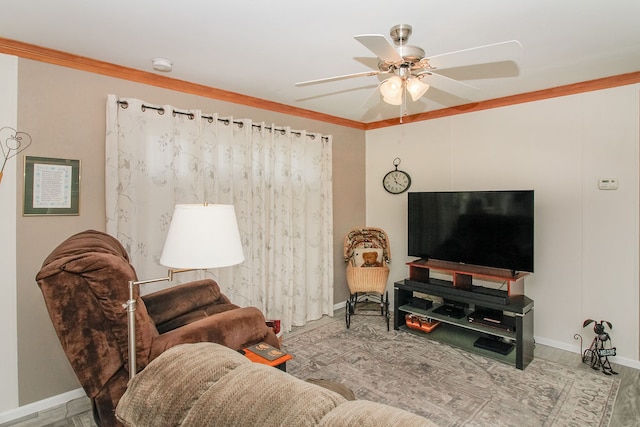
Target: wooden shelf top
<point x="473" y="270"/>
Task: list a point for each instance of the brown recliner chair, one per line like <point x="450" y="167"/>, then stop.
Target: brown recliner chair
<point x="84" y="282"/>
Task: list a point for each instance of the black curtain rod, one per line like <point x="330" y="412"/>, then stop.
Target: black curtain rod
<point x="160" y="110"/>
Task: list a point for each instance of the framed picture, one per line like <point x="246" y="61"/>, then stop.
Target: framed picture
<point x="51" y="186"/>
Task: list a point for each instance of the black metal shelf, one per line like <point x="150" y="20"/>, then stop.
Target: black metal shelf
<point x="462" y="333"/>
<point x="462" y="338"/>
<point x="461" y="323"/>
<point x="477" y="296"/>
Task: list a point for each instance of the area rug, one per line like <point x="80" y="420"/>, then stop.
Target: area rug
<point x="447" y="385"/>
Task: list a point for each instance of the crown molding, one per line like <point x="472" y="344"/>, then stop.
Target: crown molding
<point x="572" y="89"/>
<point x="64" y="59"/>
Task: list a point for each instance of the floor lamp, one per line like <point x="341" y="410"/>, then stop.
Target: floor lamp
<point x="200" y="237"/>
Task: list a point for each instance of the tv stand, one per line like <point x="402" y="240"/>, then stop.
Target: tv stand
<point x="460" y="332"/>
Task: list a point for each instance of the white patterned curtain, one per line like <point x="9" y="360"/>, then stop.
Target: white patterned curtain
<point x="278" y="179"/>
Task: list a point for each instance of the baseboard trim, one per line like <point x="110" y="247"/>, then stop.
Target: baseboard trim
<point x="34" y="408"/>
<point x="624" y="361"/>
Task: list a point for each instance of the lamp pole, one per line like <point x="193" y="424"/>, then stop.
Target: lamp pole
<point x="131" y="324"/>
<point x="130" y="306"/>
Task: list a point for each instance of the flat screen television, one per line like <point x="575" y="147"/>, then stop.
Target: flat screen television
<point x="484" y="228"/>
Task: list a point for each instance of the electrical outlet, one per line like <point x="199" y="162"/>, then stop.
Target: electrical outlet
<point x="608" y="183"/>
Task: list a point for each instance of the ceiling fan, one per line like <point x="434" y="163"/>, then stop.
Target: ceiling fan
<point x="412" y="73"/>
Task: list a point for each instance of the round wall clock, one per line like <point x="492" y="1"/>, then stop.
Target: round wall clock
<point x="396" y="181"/>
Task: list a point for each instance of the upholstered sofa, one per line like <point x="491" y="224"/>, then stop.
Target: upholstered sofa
<point x="205" y="384"/>
<point x="84" y="282"/>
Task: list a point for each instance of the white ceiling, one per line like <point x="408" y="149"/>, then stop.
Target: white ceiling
<point x="261" y="48"/>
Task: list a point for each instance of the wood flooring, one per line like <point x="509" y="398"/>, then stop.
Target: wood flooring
<point x="626" y="411"/>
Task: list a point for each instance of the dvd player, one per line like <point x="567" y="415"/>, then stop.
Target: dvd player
<point x="450" y="311"/>
<point x="492" y="318"/>
<point x="494" y="345"/>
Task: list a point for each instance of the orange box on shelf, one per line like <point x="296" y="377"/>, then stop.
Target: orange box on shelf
<point x="420" y="323"/>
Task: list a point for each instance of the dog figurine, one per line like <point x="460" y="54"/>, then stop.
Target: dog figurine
<point x="600" y="350"/>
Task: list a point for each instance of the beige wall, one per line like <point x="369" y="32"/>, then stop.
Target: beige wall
<point x="586" y="239"/>
<point x="64" y="111"/>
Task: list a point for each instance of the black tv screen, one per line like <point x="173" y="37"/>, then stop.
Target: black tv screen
<point x="484" y="228"/>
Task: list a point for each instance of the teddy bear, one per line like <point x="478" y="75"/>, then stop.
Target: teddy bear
<point x="371" y="259"/>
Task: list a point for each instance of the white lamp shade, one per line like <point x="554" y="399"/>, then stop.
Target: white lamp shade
<point x="416" y="88"/>
<point x="391" y="88"/>
<point x="393" y="101"/>
<point x="201" y="237"/>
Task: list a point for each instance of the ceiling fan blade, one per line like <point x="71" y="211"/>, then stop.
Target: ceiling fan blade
<point x="369" y="101"/>
<point x="343" y="77"/>
<point x="381" y="47"/>
<point x="454" y="87"/>
<point x="477" y="55"/>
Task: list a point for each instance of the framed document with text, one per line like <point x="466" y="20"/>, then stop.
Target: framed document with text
<point x="51" y="186"/>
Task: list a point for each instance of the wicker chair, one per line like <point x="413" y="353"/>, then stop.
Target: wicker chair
<point x="367" y="275"/>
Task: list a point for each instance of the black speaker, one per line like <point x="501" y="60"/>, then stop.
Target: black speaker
<point x="422" y="303"/>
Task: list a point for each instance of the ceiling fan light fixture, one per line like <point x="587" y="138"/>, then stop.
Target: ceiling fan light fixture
<point x="397" y="100"/>
<point x="416" y="88"/>
<point x="391" y="90"/>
